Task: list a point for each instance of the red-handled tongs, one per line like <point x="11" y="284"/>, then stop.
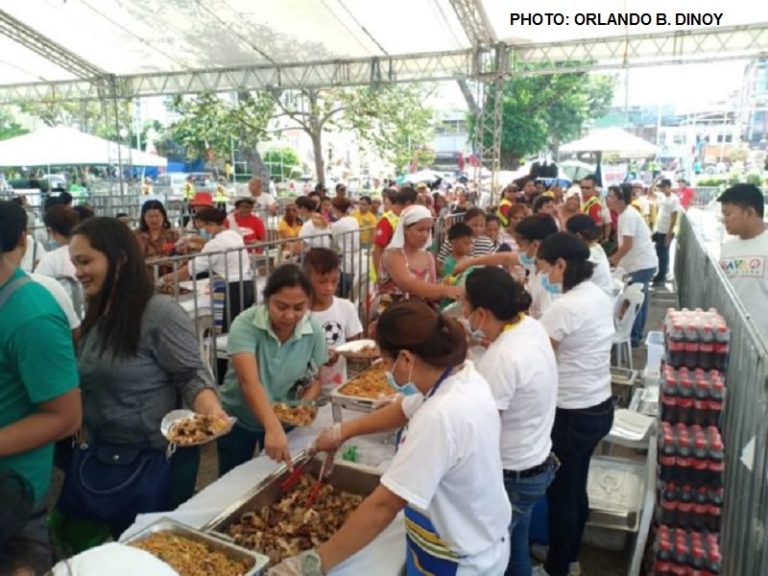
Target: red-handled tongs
<point x="313" y="492"/>
<point x="293" y="478"/>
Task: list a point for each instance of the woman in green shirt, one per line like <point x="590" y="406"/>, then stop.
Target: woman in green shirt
<point x="275" y="352"/>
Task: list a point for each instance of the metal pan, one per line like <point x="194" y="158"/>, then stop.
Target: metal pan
<point x="340" y="400"/>
<point x="345" y="476"/>
<point x="256" y="562"/>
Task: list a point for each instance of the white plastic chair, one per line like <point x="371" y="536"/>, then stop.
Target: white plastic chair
<point x="625" y="311"/>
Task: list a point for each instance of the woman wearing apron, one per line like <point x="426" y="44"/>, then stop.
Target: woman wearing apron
<point x="447" y="473"/>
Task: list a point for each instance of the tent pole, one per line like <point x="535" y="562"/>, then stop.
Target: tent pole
<point x="117" y="132"/>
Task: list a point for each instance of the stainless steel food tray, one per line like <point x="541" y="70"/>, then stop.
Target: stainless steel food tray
<point x="345" y="476"/>
<point x="257" y="562"/>
<point x="356" y="403"/>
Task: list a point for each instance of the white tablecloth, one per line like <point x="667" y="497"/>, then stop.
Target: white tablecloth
<point x="384" y="556"/>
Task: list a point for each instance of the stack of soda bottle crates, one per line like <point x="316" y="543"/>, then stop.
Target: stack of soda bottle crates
<point x="690" y="447"/>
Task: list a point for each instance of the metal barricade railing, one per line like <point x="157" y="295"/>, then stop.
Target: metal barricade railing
<point x="702" y="284"/>
<point x="253" y="264"/>
<point x="441" y="227"/>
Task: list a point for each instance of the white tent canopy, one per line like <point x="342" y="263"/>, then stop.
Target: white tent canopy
<point x="62" y="146"/>
<point x="612" y="141"/>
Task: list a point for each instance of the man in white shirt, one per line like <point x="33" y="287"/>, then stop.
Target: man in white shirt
<point x="223" y="256"/>
<point x="636" y="252"/>
<point x="669" y="208"/>
<point x="265" y="203"/>
<point x="745" y="258"/>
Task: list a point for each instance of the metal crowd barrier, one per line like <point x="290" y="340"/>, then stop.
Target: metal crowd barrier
<point x="441" y="227"/>
<point x="702" y="284"/>
<point x="200" y="301"/>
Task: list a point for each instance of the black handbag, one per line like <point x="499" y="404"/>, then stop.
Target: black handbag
<point x="114" y="483"/>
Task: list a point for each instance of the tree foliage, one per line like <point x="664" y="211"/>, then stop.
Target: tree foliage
<point x="9" y="127"/>
<point x="282" y="161"/>
<point x="211" y="128"/>
<point x="545" y="110"/>
<point x="393" y="118"/>
<point x="87" y="116"/>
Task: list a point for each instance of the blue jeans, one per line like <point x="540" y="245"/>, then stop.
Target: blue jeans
<point x="662" y="251"/>
<point x="238" y="447"/>
<point x="643" y="277"/>
<point x="523" y="494"/>
<point x="575" y="435"/>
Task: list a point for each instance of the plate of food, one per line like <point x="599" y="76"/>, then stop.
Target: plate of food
<point x="295" y="412"/>
<point x="359" y="349"/>
<point x="186" y="428"/>
<point x="370" y="384"/>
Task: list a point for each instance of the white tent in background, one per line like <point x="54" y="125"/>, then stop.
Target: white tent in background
<point x="62" y="146"/>
<point x="612" y="141"/>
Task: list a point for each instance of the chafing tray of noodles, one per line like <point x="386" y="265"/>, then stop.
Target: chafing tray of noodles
<point x="256" y="563"/>
<point x="345" y="476"/>
<point x="342" y="398"/>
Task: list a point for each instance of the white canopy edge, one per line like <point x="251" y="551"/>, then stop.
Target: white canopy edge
<point x="678" y="47"/>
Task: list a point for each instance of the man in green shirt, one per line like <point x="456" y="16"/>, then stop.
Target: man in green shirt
<point x="39" y="395"/>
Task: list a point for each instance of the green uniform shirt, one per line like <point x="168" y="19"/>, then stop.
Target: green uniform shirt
<point x="281" y="366"/>
<point x="37" y="364"/>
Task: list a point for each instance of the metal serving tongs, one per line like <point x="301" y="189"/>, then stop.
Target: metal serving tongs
<point x="314" y="491"/>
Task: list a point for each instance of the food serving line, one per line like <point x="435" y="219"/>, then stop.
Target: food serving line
<point x="209" y="516"/>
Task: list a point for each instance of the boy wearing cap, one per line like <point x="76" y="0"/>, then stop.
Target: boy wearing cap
<point x="745" y="258"/>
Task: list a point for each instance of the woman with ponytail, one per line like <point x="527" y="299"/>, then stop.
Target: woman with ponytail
<point x="447" y="472"/>
<point x="520" y="366"/>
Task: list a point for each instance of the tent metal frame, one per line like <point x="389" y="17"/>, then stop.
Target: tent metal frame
<point x="487" y="64"/>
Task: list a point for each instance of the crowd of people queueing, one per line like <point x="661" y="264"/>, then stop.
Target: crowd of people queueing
<point x="485" y="436"/>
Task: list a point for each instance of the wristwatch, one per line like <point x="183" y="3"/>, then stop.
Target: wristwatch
<point x="311" y="564"/>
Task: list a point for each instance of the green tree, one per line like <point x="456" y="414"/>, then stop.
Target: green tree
<point x="545" y="110"/>
<point x="405" y="126"/>
<point x="392" y="117"/>
<point x="88" y="116"/>
<point x="9" y="127"/>
<point x="211" y="128"/>
<point x="282" y="161"/>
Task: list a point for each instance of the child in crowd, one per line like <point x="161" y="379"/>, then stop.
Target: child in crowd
<point x="336" y="316"/>
<point x="460" y="237"/>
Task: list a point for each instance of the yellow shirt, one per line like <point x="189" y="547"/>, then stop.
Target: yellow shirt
<point x="285" y="230"/>
<point x="368" y="220"/>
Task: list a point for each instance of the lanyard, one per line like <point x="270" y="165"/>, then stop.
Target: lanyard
<point x="440" y="380"/>
<point x="509" y="326"/>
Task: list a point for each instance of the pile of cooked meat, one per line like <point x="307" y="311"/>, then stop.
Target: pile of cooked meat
<point x="288" y="527"/>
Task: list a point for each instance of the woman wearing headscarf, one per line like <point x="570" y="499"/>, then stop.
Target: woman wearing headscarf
<point x="407" y="267"/>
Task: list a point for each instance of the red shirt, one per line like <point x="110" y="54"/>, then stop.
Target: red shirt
<point x="250" y="227"/>
<point x="686" y="197"/>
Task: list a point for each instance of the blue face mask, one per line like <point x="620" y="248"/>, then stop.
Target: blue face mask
<point x="555" y="288"/>
<point x="52" y="244"/>
<point x="204" y="234"/>
<point x="406" y="389"/>
<point x="476" y="333"/>
<point x="527" y="261"/>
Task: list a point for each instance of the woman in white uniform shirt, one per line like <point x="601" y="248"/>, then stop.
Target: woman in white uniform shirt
<point x="580" y="327"/>
<point x="585" y="228"/>
<point x="447" y="472"/>
<point x="521" y="369"/>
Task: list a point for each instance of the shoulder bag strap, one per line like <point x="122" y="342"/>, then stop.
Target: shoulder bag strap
<point x="9" y="290"/>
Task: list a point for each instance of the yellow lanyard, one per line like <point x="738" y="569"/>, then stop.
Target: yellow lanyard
<point x="510" y="325"/>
